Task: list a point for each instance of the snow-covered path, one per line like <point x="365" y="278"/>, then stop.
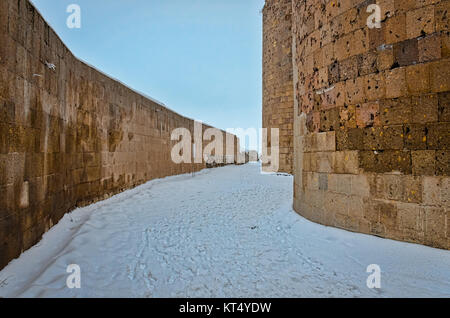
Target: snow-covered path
<point x="226" y="232"/>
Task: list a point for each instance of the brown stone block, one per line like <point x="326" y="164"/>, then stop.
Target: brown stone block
<point x="441" y="15"/>
<point x="371" y="211"/>
<point x="424" y="108"/>
<point x="445" y="44"/>
<point x="348" y="68"/>
<point x="349" y="20"/>
<point x="329" y="119"/>
<point x="376" y="37"/>
<point x="333" y="73"/>
<point x="440" y="74"/>
<point x="396" y="83"/>
<point x="355" y="92"/>
<point x="411" y="217"/>
<point x="8" y="51"/>
<point x="356" y="207"/>
<point x="423" y="162"/>
<point x="333" y="97"/>
<point x="346" y="162"/>
<point x="395" y="111"/>
<point x="344" y="184"/>
<point x="360" y="185"/>
<point x="443" y="162"/>
<point x="420" y="22"/>
<point x="418" y="78"/>
<point x="375" y="87"/>
<point x="387" y="187"/>
<point x="444" y="106"/>
<point x="429" y="48"/>
<point x="385" y="58"/>
<point x="356" y="138"/>
<point x="386" y="161"/>
<point x="388" y="214"/>
<point x="406" y="52"/>
<point x="7" y="111"/>
<point x="347" y="115"/>
<point x="404" y="5"/>
<point x="438" y="136"/>
<point x="415" y="136"/>
<point x="342" y="141"/>
<point x="412" y="189"/>
<point x="367" y="115"/>
<point x="383" y="138"/>
<point x="367" y="63"/>
<point x="435" y="191"/>
<point x="324" y="161"/>
<point x="395" y="29"/>
<point x="435" y="229"/>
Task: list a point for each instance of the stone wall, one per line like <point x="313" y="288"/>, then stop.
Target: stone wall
<point x="69" y="136"/>
<point x="372" y="124"/>
<point x="278" y="107"/>
<point x="371" y="115"/>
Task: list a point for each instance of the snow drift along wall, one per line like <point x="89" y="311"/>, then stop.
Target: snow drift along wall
<point x="371" y="117"/>
<point x="69" y="135"/>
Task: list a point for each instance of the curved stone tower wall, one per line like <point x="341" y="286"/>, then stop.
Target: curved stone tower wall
<point x="278" y="104"/>
<point x="372" y="118"/>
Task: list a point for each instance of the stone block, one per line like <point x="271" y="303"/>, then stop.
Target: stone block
<point x="323" y="181"/>
<point x="406" y="53"/>
<point x="411" y="217"/>
<point x="367" y="63"/>
<point x="346" y="162"/>
<point x="355" y="92"/>
<point x="418" y="78"/>
<point x="329" y="119"/>
<point x="444" y="106"/>
<point x="385" y="58"/>
<point x="395" y="28"/>
<point x="424" y="108"/>
<point x="375" y="87"/>
<point x="348" y="68"/>
<point x="344" y="185"/>
<point x="441" y="16"/>
<point x="416" y="136"/>
<point x="325" y="141"/>
<point x="396" y="83"/>
<point x="443" y="162"/>
<point x="434" y="191"/>
<point x="356" y="207"/>
<point x="440" y="73"/>
<point x="420" y="22"/>
<point x="429" y="48"/>
<point x="435" y="229"/>
<point x="386" y="161"/>
<point x="367" y="115"/>
<point x="395" y="111"/>
<point x="423" y="162"/>
<point x="438" y="136"/>
<point x="360" y="186"/>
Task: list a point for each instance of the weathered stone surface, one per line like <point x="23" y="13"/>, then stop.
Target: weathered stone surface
<point x="392" y="122"/>
<point x="69" y="136"/>
<point x="278" y="95"/>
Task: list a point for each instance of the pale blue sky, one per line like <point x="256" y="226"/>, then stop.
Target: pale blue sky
<point x="202" y="58"/>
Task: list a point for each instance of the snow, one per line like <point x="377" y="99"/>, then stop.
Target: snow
<point x="225" y="232"/>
